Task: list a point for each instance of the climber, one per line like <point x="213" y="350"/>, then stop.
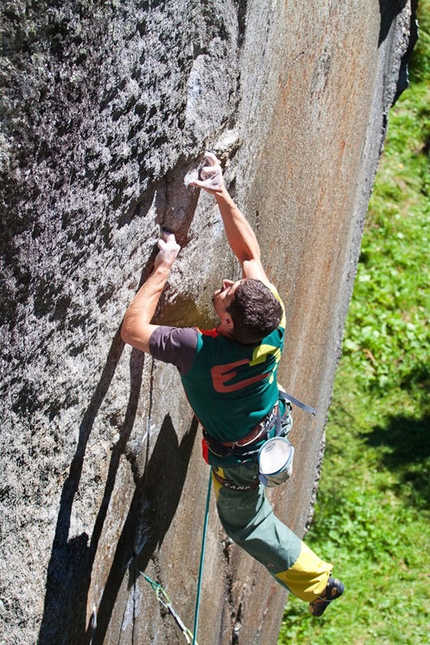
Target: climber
<point x="229" y="376"/>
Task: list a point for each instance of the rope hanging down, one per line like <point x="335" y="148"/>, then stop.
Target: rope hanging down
<point x="202" y="558"/>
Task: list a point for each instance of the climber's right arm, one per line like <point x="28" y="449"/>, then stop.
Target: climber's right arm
<point x="136" y="328"/>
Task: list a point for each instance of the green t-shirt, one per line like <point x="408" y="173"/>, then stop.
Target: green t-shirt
<point x="231" y="387"/>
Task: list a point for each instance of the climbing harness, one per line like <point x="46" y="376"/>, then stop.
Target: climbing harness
<point x="246" y="448"/>
<point x="266" y="443"/>
<point x="164" y="600"/>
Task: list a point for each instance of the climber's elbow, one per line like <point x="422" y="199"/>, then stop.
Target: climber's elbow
<point x="136" y="333"/>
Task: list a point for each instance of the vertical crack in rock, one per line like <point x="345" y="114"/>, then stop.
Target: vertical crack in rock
<point x="238" y="618"/>
<point x="230" y="614"/>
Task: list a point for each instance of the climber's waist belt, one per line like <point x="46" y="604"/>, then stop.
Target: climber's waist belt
<point x="257" y="432"/>
<point x="244" y="445"/>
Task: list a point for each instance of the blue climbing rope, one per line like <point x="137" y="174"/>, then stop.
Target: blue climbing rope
<point x="202" y="558"/>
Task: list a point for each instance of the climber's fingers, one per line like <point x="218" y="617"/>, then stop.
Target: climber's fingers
<point x="211" y="175"/>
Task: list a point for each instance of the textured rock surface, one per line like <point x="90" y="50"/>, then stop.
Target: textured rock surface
<point x="105" y="107"/>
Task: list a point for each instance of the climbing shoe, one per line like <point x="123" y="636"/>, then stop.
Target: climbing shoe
<point x="334" y="589"/>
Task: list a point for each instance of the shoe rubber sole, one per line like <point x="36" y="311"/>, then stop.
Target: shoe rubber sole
<point x="334" y="590"/>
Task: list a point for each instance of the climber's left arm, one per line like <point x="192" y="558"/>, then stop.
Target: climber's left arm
<point x="240" y="235"/>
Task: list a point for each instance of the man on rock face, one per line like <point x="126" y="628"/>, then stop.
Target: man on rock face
<point x="229" y="376"/>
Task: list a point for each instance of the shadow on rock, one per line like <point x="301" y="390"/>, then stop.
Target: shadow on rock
<point x="69" y="570"/>
<point x="157" y="491"/>
<point x="389" y="10"/>
<point x="151" y="512"/>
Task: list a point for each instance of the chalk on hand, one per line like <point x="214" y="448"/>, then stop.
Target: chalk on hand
<point x="191" y="175"/>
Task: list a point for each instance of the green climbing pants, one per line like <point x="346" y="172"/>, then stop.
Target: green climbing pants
<point x="248" y="519"/>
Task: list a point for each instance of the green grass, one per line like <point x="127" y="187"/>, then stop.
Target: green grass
<point x="372" y="514"/>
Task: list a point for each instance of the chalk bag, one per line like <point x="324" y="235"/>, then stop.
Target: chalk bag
<point x="275" y="461"/>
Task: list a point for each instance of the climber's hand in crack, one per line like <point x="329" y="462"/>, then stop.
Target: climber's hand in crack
<point x="168" y="250"/>
<point x="211" y="175"/>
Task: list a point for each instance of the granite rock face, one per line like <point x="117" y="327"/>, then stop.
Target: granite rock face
<point x="106" y="106"/>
